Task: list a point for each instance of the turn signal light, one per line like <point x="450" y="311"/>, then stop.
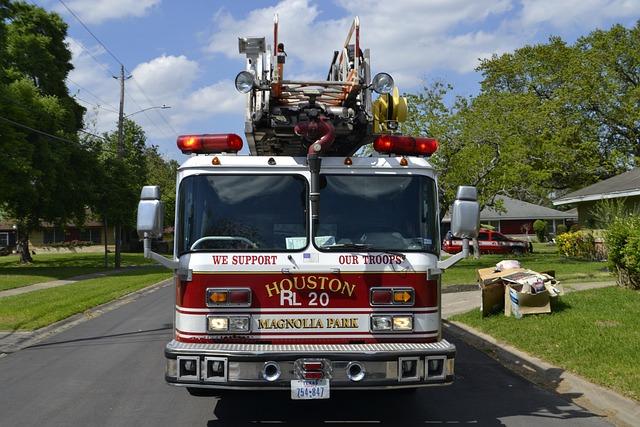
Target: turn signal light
<point x="228" y="297"/>
<point x="210" y="143"/>
<point x="402" y="297"/>
<point x="392" y="296"/>
<point x="405" y="145"/>
<point x="218" y="297"/>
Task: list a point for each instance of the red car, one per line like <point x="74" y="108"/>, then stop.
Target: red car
<point x="491" y="242"/>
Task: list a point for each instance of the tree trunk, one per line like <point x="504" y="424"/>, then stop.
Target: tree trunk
<point x="106" y="237"/>
<point x="23" y="249"/>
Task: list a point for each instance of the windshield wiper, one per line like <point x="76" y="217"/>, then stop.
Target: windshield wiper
<point x="362" y="246"/>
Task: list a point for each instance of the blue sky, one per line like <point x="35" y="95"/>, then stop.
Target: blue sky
<point x="184" y="53"/>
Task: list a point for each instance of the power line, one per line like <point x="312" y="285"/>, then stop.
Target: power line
<point x="21" y="125"/>
<point x="90" y="32"/>
<point x="146" y="113"/>
<point x="92" y="94"/>
<point x="94" y="105"/>
<point x="121" y="64"/>
<point x="151" y="103"/>
<point x="41" y="132"/>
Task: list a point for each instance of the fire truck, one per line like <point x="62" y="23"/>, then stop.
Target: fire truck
<point x="308" y="265"/>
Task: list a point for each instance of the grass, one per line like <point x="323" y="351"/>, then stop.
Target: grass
<point x="594" y="333"/>
<point x="544" y="258"/>
<point x="46" y="267"/>
<point x="36" y="309"/>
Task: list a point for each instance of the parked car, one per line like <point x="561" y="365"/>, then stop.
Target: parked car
<point x="490" y="242"/>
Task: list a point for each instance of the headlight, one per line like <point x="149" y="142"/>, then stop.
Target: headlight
<point x="231" y="324"/>
<point x="402" y="323"/>
<point x="217" y="324"/>
<point x="382" y="83"/>
<point x="380" y="323"/>
<point x="239" y="324"/>
<point x="245" y="81"/>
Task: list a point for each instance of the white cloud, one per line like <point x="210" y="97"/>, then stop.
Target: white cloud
<point x="167" y="77"/>
<point x="97" y="11"/>
<point x="165" y="80"/>
<point x="407" y="38"/>
<point x="576" y="12"/>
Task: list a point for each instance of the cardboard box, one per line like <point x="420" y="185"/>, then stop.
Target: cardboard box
<point x="492" y="299"/>
<point x="489" y="275"/>
<point x="518" y="304"/>
<point x="492" y="288"/>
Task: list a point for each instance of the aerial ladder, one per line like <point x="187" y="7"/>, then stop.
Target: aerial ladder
<point x="332" y="117"/>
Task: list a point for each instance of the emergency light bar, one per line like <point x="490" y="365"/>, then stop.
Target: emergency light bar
<point x="405" y="145"/>
<point x="210" y="143"/>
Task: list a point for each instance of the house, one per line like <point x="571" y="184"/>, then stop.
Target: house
<point x="516" y="217"/>
<point x="91" y="233"/>
<point x="7" y="235"/>
<point x="625" y="186"/>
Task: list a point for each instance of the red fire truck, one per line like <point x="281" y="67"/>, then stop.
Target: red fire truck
<point x="304" y="266"/>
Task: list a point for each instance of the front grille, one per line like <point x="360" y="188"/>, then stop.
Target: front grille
<point x="255" y="349"/>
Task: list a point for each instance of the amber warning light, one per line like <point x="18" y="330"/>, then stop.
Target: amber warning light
<point x="405" y="145"/>
<point x="210" y="143"/>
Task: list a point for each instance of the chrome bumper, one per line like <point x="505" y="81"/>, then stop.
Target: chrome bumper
<point x="242" y="366"/>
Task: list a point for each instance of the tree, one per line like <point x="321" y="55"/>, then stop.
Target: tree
<point x="116" y="189"/>
<point x="36" y="180"/>
<point x="163" y="173"/>
<point x="549" y="118"/>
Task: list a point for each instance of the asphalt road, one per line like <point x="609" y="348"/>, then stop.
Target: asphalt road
<point x="108" y="371"/>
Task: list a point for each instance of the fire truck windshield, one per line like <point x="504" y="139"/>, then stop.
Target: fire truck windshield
<point x="378" y="212"/>
<point x="242" y="213"/>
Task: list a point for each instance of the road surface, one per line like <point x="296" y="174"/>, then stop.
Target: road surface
<point x="108" y="371"/>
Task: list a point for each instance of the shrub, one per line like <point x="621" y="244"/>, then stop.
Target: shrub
<point x="540" y="228"/>
<point x="623" y="245"/>
<point x="577" y="244"/>
<point x="561" y="229"/>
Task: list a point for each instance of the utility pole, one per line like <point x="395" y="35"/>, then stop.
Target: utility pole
<point x="120" y="153"/>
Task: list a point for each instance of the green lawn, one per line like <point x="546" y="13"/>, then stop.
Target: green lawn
<point x="544" y="258"/>
<point x="55" y="266"/>
<point x="594" y="333"/>
<point x="36" y="309"/>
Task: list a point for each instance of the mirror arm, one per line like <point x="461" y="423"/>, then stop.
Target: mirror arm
<point x="451" y="261"/>
<point x="164" y="261"/>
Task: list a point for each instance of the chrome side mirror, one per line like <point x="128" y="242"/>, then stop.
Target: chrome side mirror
<point x="465" y="216"/>
<point x="150" y="212"/>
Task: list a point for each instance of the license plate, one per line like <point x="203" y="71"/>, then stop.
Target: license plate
<point x="309" y="389"/>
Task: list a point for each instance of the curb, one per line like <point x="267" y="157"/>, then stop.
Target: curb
<point x="68" y="281"/>
<point x="618" y="409"/>
<point x="16" y="341"/>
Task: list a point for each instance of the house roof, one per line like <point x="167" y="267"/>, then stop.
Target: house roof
<point x="624" y="185"/>
<point x="518" y="209"/>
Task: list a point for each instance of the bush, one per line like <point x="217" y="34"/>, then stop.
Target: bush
<point x="561" y="229"/>
<point x="623" y="245"/>
<point x="540" y="228"/>
<point x="577" y="244"/>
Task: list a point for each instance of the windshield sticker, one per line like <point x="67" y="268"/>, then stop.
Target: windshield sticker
<point x="245" y="259"/>
<point x="309" y="257"/>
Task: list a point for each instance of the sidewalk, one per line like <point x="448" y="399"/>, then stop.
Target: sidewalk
<point x="62" y="282"/>
<point x="620" y="410"/>
<point x="461" y="302"/>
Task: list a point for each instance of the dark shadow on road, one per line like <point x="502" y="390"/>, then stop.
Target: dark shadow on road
<point x="163" y="329"/>
<point x="483" y="394"/>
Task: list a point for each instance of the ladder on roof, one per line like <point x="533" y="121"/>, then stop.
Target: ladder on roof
<point x="285" y="117"/>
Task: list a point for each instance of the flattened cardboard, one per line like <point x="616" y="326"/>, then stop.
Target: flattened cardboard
<point x="489" y="275"/>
